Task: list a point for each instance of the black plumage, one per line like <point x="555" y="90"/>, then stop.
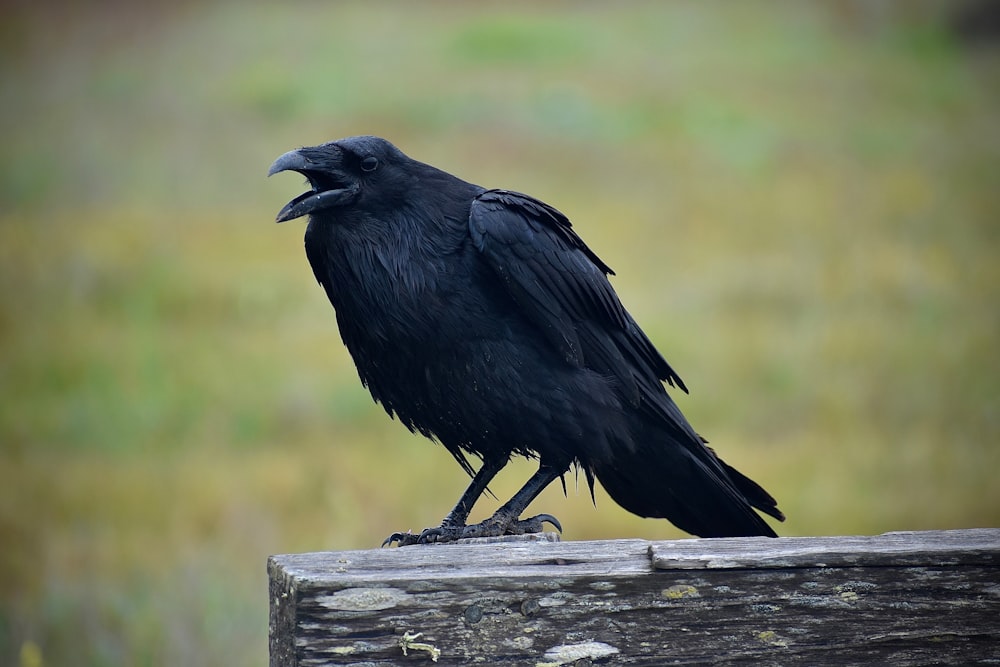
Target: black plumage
<point x="480" y="319"/>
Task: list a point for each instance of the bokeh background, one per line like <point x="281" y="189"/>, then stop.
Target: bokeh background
<point x="800" y="199"/>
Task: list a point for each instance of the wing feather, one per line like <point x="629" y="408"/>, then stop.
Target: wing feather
<point x="563" y="288"/>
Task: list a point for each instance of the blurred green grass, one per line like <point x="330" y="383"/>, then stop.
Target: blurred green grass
<point x="800" y="201"/>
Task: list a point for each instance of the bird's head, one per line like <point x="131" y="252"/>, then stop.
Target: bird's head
<point x="339" y="172"/>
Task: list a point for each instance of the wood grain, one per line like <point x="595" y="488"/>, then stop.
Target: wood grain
<point x="899" y="598"/>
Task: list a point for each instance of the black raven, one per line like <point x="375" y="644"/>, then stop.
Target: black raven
<point x="480" y="319"/>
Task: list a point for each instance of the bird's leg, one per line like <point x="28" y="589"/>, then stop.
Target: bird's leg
<point x="507" y="521"/>
<point x="457" y="516"/>
<point x="451" y="527"/>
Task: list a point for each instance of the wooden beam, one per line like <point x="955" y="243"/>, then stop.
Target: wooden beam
<point x="899" y="598"/>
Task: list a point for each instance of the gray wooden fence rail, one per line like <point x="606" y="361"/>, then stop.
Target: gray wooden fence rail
<point x="898" y="599"/>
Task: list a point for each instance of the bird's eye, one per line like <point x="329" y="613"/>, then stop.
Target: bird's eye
<point x="369" y="163"/>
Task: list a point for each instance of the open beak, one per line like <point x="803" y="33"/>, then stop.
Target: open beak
<point x="329" y="189"/>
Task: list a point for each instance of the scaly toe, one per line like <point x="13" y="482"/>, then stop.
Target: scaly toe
<point x="535" y="524"/>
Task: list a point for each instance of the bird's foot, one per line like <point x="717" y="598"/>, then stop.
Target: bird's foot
<point x="495" y="526"/>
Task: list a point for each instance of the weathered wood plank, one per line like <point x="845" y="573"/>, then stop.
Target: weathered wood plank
<point x="900" y="598"/>
<point x="942" y="547"/>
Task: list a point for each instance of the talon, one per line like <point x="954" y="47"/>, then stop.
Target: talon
<point x="403" y="539"/>
<point x="495" y="526"/>
<point x="441" y="533"/>
<point x="535" y="524"/>
<point x="429" y="535"/>
<point x="548" y="518"/>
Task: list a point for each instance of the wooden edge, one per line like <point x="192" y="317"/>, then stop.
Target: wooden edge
<point x="282" y="616"/>
<point x="464" y="561"/>
<point x="629" y="557"/>
<point x="979" y="546"/>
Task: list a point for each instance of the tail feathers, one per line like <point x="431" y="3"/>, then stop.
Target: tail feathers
<point x="753" y="492"/>
<point x="696" y="496"/>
